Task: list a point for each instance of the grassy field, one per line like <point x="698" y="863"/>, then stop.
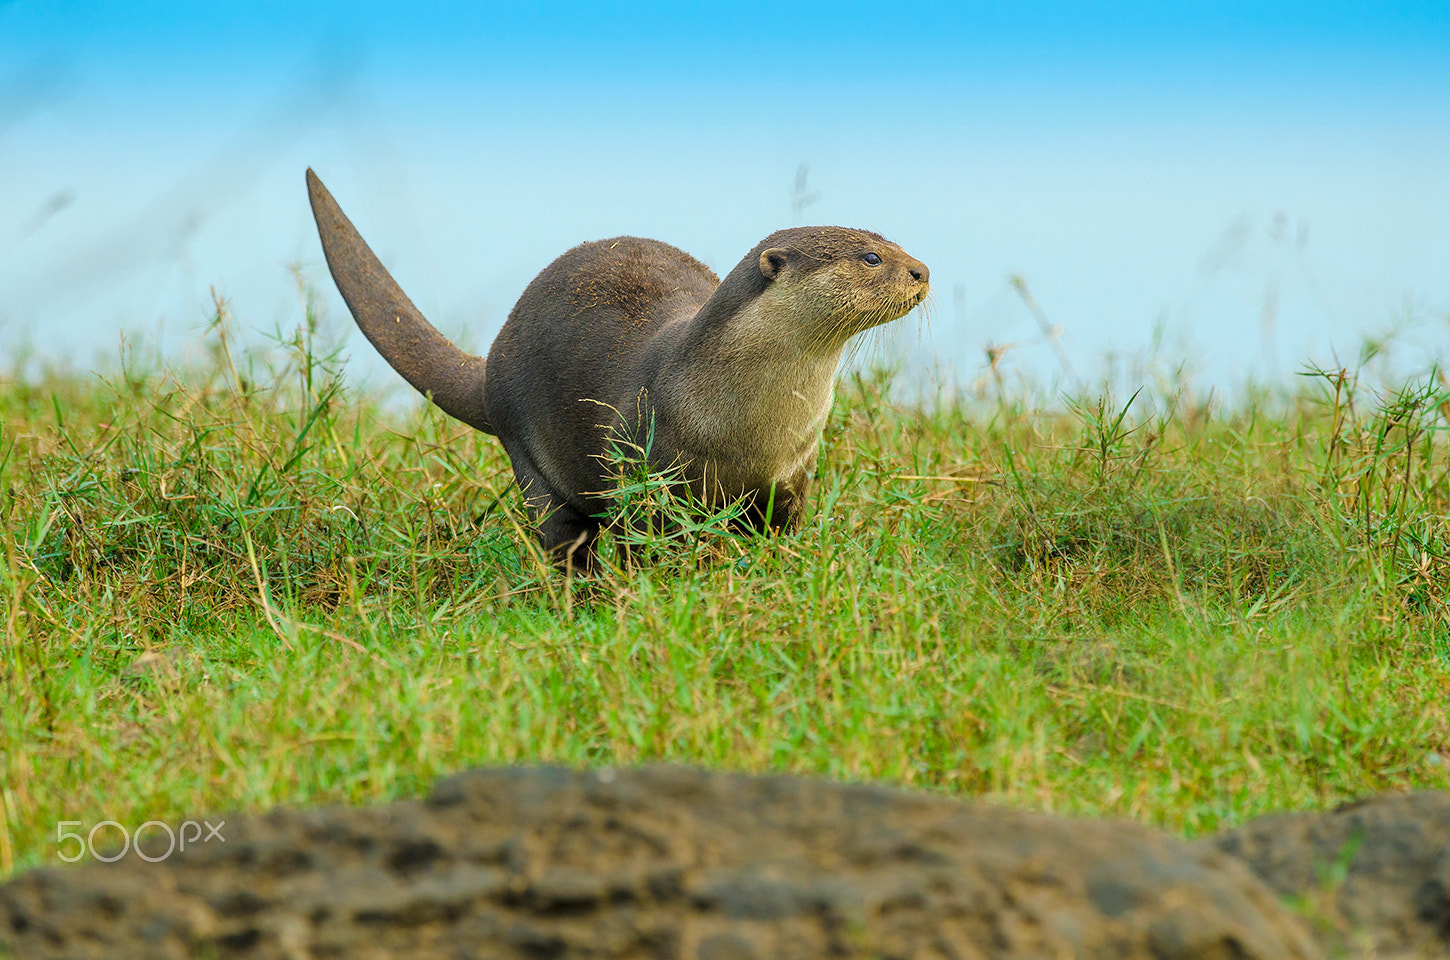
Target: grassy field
<point x="243" y="584"/>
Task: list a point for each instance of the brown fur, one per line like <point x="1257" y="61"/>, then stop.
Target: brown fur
<point x="632" y="340"/>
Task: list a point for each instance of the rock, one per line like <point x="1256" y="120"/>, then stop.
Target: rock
<point x="660" y="862"/>
<point x="1374" y="875"/>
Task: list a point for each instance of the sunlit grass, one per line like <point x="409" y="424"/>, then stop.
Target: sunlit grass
<point x="245" y="584"/>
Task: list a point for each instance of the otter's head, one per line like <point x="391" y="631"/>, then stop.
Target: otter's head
<point x="824" y="285"/>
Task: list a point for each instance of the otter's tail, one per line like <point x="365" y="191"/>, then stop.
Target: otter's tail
<point x="425" y="358"/>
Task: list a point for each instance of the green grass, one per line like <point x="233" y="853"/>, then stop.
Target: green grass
<point x="244" y="584"/>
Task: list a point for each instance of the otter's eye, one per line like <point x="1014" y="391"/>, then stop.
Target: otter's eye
<point x="872" y="259"/>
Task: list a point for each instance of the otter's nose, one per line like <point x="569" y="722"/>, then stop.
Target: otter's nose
<point x="919" y="271"/>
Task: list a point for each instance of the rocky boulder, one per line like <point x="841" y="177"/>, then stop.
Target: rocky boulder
<point x="1374" y="876"/>
<point x="660" y="862"/>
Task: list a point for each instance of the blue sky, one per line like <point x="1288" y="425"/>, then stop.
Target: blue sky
<point x="1264" y="182"/>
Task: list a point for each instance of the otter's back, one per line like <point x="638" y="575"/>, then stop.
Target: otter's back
<point x="579" y="333"/>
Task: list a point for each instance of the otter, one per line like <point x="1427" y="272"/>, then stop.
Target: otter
<point x="632" y="341"/>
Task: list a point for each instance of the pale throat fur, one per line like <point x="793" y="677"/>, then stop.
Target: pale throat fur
<point x="760" y="416"/>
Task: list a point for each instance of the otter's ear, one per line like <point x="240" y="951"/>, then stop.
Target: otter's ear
<point x="772" y="262"/>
